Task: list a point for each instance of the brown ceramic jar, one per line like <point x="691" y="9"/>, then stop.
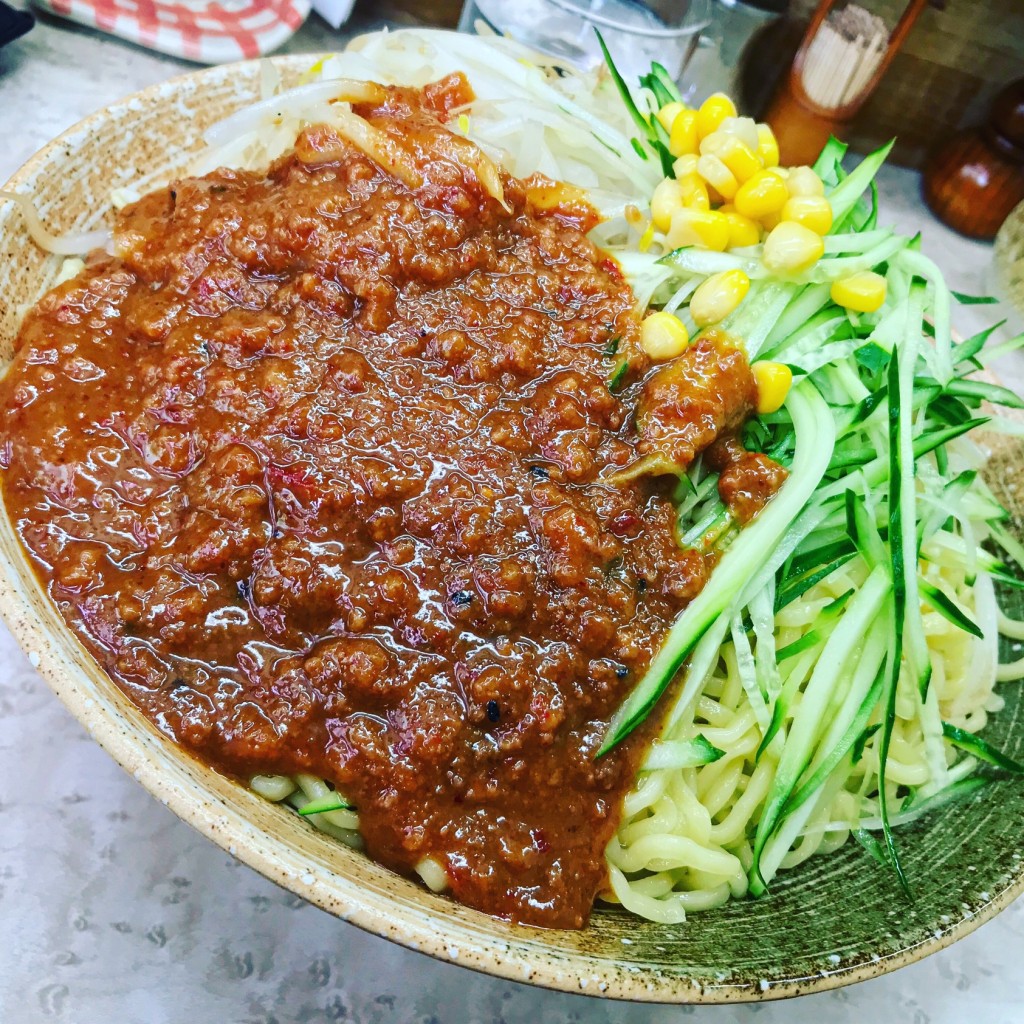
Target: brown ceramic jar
<point x="973" y="181"/>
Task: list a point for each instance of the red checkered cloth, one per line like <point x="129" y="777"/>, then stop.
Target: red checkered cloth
<point x="201" y="30"/>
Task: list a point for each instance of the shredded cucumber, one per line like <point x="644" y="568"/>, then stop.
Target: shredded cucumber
<point x="877" y="485"/>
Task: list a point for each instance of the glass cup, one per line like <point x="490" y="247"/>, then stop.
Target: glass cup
<point x="666" y="31"/>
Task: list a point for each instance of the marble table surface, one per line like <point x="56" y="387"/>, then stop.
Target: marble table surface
<point x="112" y="911"/>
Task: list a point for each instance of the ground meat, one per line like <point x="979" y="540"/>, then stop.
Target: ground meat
<point x="747" y="480"/>
<point x="314" y="465"/>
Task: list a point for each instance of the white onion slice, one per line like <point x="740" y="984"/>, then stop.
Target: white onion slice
<point x="76" y="243"/>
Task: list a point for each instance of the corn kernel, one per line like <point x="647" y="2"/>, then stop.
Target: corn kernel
<point x="694" y="192"/>
<point x="813" y="212"/>
<point x="667" y="198"/>
<point x="767" y="146"/>
<point x="718" y="296"/>
<point x="686" y="164"/>
<point x="705" y="228"/>
<point x="742" y="230"/>
<point x="791" y="248"/>
<point x="663" y="336"/>
<point x="669" y="113"/>
<point x="713" y="111"/>
<point x="718" y="176"/>
<point x="773" y="382"/>
<point x="744" y="128"/>
<point x="770" y="221"/>
<point x="737" y="156"/>
<point x="803" y="181"/>
<point x="764" y="193"/>
<point x="683" y="138"/>
<point x="711" y="144"/>
<point x="863" y="293"/>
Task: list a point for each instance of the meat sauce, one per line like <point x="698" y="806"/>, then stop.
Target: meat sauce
<point x="317" y="467"/>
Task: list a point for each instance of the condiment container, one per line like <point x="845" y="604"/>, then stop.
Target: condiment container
<point x="974" y="180"/>
<point x="843" y="56"/>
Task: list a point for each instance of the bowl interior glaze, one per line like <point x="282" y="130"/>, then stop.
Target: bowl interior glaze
<point x="834" y="920"/>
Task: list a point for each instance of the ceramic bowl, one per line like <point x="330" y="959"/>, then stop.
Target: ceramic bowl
<point x="836" y="919"/>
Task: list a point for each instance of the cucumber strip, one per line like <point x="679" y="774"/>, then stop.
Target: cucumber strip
<point x="898" y="432"/>
<point x="851" y="383"/>
<point x="331" y="802"/>
<point x="967" y="350"/>
<point x="872" y="845"/>
<point x="829" y="270"/>
<point x="921" y="266"/>
<point x="779" y="712"/>
<point x="974" y="300"/>
<point x="947" y="409"/>
<point x="825" y="544"/>
<point x="915" y="644"/>
<point x="849" y="456"/>
<point x="829" y="165"/>
<point x="691" y="260"/>
<point x="755" y="318"/>
<point x="647" y="130"/>
<point x="985" y="392"/>
<point x="659" y="81"/>
<point x="679" y="754"/>
<point x="818" y="330"/>
<point x="863" y="531"/>
<point x="618" y="376"/>
<point x="792" y="589"/>
<point x="1009" y="544"/>
<point x="793" y="827"/>
<point x="863" y="410"/>
<point x="945" y="606"/>
<point x="961" y="789"/>
<point x="762" y="617"/>
<point x="845" y="195"/>
<point x="1004" y="348"/>
<point x="804" y="305"/>
<point x="695" y="535"/>
<point x="815" y="433"/>
<point x="862" y="741"/>
<point x="805" y="643"/>
<point x="856" y="241"/>
<point x="702" y="663"/>
<point x="979" y="748"/>
<point x="929" y="718"/>
<point x="871" y="220"/>
<point x="685" y="491"/>
<point x="874" y="472"/>
<point x="747" y="669"/>
<point x="851" y="721"/>
<point x="829" y="353"/>
<point x="830" y="672"/>
<point x="945" y="504"/>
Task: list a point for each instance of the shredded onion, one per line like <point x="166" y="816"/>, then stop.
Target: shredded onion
<point x="292" y="102"/>
<point x="72" y="244"/>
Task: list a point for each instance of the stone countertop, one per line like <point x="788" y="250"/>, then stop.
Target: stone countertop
<point x="113" y="910"/>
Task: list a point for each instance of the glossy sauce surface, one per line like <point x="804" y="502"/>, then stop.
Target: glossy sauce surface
<point x="314" y="467"/>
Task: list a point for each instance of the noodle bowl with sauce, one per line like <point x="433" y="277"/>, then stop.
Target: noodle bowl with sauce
<point x="351" y="468"/>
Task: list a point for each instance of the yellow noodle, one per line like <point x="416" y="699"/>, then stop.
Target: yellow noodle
<point x="663" y="874"/>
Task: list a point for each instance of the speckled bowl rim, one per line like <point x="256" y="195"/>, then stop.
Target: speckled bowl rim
<point x="519" y="956"/>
